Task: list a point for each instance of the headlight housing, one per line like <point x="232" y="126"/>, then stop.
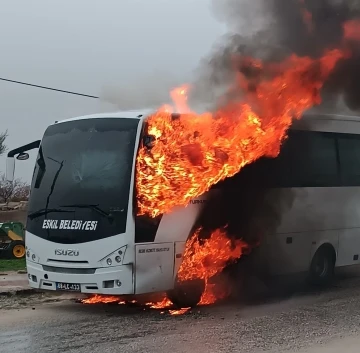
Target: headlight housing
<point x="115" y="258"/>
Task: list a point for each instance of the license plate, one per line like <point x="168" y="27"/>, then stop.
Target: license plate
<point x="71" y="287"/>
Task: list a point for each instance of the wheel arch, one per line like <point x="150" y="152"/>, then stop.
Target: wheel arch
<point x="326" y="252"/>
<point x="326" y="246"/>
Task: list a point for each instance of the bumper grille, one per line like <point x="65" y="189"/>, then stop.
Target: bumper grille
<point x="77" y="271"/>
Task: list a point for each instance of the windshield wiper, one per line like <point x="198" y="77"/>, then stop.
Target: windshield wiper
<point x="45" y="211"/>
<point x="92" y="207"/>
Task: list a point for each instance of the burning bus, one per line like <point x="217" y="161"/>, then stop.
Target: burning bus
<point x="85" y="231"/>
<point x="119" y="201"/>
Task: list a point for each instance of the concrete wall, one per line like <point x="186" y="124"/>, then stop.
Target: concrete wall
<point x="13" y="216"/>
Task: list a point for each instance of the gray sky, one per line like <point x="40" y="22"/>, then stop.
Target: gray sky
<point x="105" y="48"/>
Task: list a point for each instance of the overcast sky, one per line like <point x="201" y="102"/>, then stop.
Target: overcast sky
<point x="104" y="48"/>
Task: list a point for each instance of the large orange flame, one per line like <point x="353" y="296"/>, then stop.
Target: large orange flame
<point x="207" y="258"/>
<point x="196" y="151"/>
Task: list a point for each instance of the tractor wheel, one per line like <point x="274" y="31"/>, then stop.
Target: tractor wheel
<point x="16" y="249"/>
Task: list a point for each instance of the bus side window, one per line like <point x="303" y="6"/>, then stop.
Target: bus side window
<point x="349" y="154"/>
<point x="40" y="169"/>
<point x="314" y="159"/>
<point x="306" y="159"/>
<point x="265" y="172"/>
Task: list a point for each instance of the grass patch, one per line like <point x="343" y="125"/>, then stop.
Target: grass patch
<point x="12" y="265"/>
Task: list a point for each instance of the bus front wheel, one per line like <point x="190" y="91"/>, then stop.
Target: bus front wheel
<point x="186" y="293"/>
<point x="323" y="266"/>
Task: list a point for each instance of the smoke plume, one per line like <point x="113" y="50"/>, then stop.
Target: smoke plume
<point x="149" y="92"/>
<point x="274" y="29"/>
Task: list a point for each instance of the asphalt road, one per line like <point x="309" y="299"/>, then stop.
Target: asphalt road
<point x="327" y="321"/>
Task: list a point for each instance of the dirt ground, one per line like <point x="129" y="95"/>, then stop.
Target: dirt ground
<point x="326" y="321"/>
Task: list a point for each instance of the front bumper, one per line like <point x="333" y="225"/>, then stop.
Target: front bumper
<point x="117" y="280"/>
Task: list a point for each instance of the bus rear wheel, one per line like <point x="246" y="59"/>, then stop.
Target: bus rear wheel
<point x="186" y="293"/>
<point x="322" y="266"/>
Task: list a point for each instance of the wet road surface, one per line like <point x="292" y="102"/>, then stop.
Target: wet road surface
<point x="327" y="321"/>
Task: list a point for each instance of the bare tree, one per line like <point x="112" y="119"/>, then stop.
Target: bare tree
<point x="3" y="137"/>
<point x="6" y="189"/>
<point x="13" y="191"/>
<point x="21" y="192"/>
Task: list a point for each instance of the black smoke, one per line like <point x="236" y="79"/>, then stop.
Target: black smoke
<point x="271" y="30"/>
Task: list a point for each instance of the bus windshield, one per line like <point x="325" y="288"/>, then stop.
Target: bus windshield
<point x="81" y="182"/>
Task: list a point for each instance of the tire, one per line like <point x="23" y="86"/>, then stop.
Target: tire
<point x="322" y="268"/>
<point x="16" y="250"/>
<point x="187" y="293"/>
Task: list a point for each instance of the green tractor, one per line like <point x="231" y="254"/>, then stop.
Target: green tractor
<point x="12" y="240"/>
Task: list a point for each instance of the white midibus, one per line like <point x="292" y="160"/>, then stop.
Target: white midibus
<point x="83" y="233"/>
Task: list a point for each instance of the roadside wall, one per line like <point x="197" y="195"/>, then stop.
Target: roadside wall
<point x="13" y="216"/>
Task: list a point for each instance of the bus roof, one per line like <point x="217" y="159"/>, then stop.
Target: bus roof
<point x="325" y="122"/>
<point x="128" y="114"/>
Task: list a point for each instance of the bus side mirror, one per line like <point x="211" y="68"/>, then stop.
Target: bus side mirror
<point x="10" y="169"/>
<point x="149" y="141"/>
<point x="23" y="156"/>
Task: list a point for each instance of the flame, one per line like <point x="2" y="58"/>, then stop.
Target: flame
<point x="207" y="258"/>
<point x="213" y="293"/>
<point x="179" y="312"/>
<point x="195" y="151"/>
<point x="102" y="299"/>
<point x="307" y="16"/>
<point x="352" y="30"/>
<point x="180" y="95"/>
<point x="163" y="304"/>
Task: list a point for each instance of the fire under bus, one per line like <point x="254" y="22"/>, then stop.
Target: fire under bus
<point x="84" y="234"/>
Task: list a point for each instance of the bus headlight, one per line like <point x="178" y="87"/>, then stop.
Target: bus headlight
<point x="31" y="256"/>
<point x="115" y="258"/>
